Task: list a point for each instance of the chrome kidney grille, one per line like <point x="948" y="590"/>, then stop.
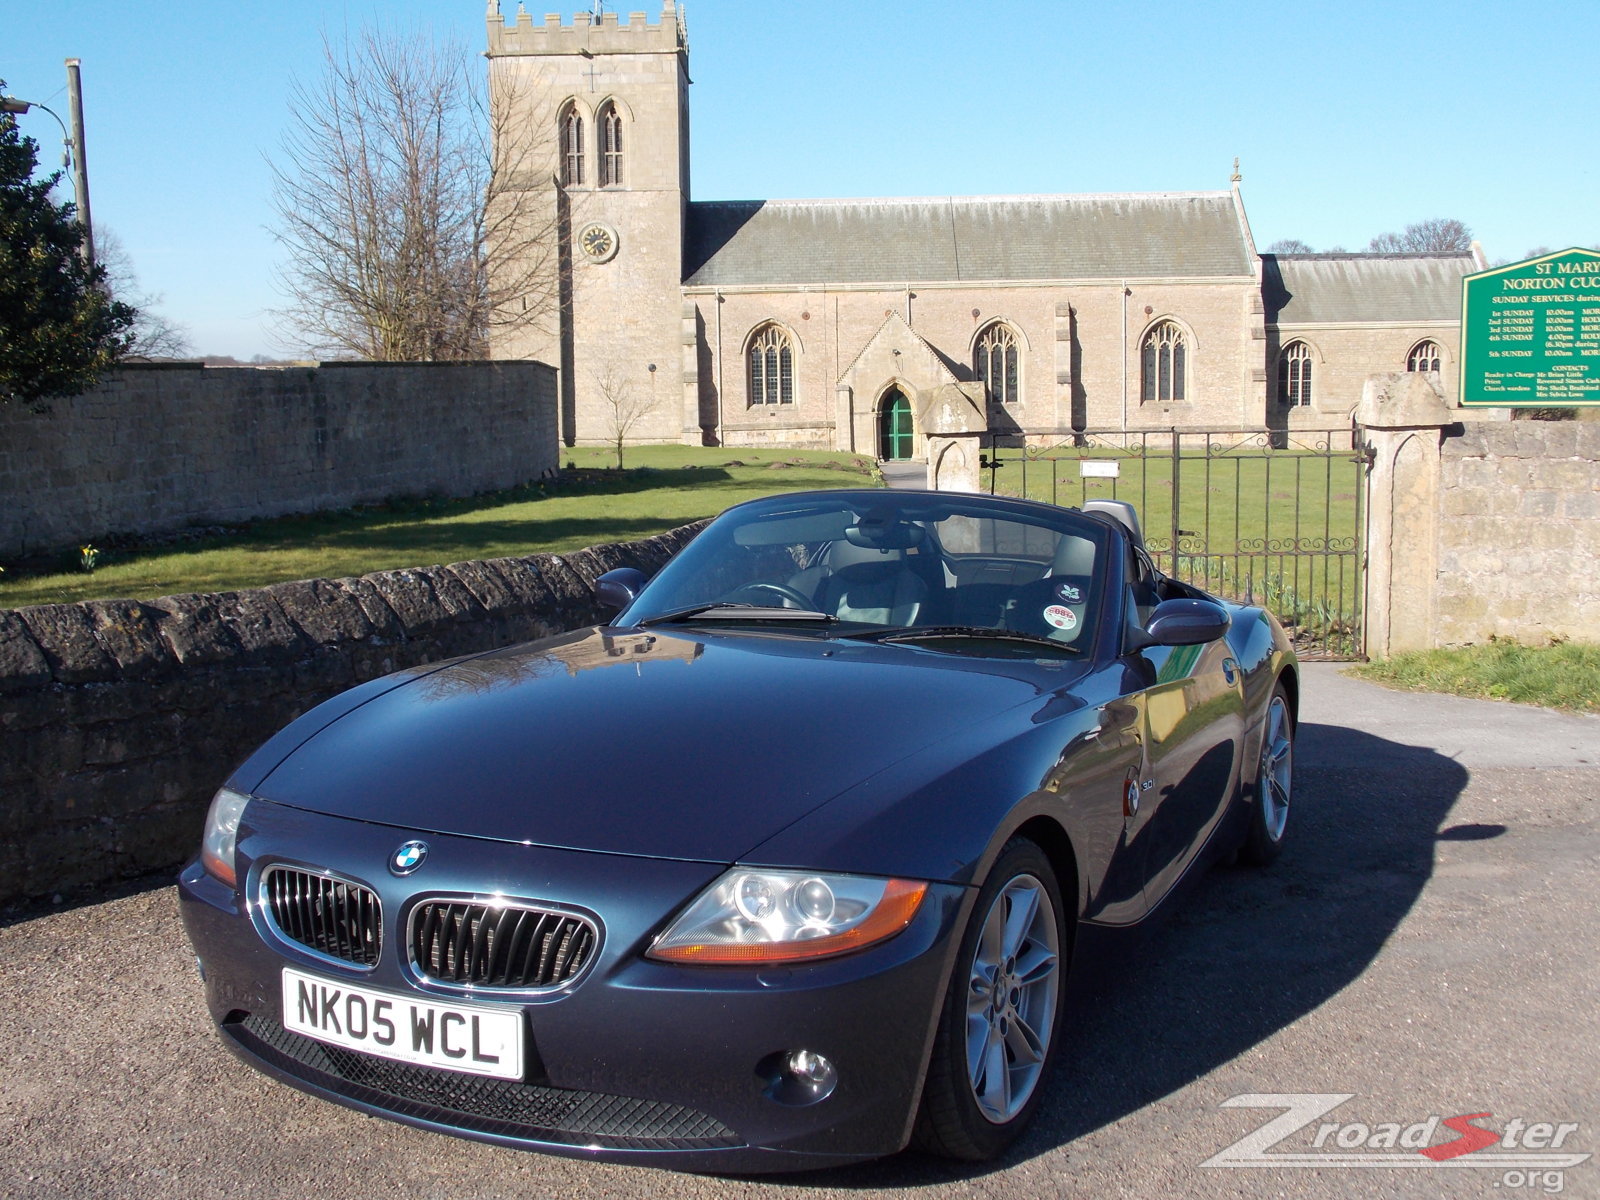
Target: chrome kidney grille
<point x="519" y="947"/>
<point x="333" y="917"/>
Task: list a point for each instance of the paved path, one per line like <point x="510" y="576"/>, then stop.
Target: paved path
<point x="1474" y="733"/>
<point x="1427" y="944"/>
<point x="912" y="475"/>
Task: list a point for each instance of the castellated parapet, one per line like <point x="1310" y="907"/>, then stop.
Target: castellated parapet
<point x="586" y="36"/>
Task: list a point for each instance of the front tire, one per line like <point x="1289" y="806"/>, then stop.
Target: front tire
<point x="1000" y="1025"/>
<point x="1269" y="815"/>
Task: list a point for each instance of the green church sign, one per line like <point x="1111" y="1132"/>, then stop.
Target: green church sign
<point x="1530" y="333"/>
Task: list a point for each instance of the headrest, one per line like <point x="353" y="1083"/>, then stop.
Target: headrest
<point x="1074" y="556"/>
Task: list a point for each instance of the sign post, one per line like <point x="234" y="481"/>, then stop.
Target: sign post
<point x="1530" y="333"/>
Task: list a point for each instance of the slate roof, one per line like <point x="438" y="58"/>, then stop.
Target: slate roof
<point x="791" y="243"/>
<point x="1335" y="288"/>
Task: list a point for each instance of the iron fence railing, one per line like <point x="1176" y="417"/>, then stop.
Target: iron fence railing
<point x="1263" y="517"/>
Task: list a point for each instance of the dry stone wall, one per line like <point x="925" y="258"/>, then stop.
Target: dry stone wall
<point x="120" y="718"/>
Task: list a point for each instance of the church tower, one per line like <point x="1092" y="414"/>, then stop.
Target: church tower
<point x="603" y="106"/>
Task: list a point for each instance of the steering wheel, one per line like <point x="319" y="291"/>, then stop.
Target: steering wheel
<point x="792" y="598"/>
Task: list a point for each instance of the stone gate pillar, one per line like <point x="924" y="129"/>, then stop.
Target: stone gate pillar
<point x="1403" y="417"/>
<point x="953" y="419"/>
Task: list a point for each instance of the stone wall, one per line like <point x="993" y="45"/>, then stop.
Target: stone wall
<point x="1078" y="348"/>
<point x="160" y="446"/>
<point x="1342" y="358"/>
<point x="1476" y="529"/>
<point x="120" y="718"/>
<point x="1519" y="533"/>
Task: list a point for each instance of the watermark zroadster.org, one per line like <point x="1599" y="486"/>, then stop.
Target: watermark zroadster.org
<point x="1528" y="1153"/>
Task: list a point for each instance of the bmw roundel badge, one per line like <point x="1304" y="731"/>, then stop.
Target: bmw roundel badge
<point x="408" y="858"/>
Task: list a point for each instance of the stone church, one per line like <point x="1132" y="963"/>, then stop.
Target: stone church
<point x="873" y="325"/>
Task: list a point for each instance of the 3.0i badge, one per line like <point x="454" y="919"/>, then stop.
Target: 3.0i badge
<point x="408" y="858"/>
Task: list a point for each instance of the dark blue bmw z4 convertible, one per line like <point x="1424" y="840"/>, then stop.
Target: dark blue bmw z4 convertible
<point x="791" y="865"/>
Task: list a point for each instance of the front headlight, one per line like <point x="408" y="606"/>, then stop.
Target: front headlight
<point x="756" y="916"/>
<point x="222" y="834"/>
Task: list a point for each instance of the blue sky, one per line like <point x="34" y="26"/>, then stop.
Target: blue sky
<point x="1350" y="119"/>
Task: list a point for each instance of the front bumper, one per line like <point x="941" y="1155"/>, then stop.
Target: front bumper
<point x="636" y="1061"/>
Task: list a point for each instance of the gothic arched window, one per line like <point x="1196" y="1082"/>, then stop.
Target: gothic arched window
<point x="1424" y="356"/>
<point x="1164" y="365"/>
<point x="571" y="124"/>
<point x="1294" y="374"/>
<point x="608" y="123"/>
<point x="771" y="356"/>
<point x="997" y="363"/>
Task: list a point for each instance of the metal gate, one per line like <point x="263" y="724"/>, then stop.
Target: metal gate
<point x="1271" y="518"/>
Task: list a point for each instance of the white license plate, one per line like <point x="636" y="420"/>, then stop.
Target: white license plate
<point x="457" y="1037"/>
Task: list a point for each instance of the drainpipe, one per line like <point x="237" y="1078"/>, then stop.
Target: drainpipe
<point x="850" y="412"/>
<point x="721" y="440"/>
<point x="1124" y="356"/>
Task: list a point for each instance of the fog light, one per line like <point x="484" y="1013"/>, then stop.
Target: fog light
<point x="812" y="1069"/>
<point x="798" y="1077"/>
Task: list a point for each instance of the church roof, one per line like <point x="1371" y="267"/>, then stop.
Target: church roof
<point x="796" y="243"/>
<point x="1352" y="288"/>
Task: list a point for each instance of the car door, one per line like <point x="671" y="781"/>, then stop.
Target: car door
<point x="1192" y="728"/>
<point x="1093" y="773"/>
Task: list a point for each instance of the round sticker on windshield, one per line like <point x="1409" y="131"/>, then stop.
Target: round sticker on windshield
<point x="1061" y="616"/>
<point x="1067" y="591"/>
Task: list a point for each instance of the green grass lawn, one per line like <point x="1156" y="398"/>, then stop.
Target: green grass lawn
<point x="1230" y="497"/>
<point x="1566" y="675"/>
<point x="662" y="488"/>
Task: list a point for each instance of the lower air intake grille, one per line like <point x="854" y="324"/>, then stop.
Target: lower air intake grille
<point x="499" y="947"/>
<point x="334" y="917"/>
<point x="491" y="1106"/>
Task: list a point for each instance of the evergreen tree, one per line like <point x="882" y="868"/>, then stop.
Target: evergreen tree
<point x="59" y="330"/>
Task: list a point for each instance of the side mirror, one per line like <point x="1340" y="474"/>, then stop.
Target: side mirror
<point x="617" y="589"/>
<point x="1187" y="623"/>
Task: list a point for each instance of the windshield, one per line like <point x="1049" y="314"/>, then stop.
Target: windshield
<point x="863" y="562"/>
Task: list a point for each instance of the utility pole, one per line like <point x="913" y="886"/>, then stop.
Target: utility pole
<point x="73" y="144"/>
<point x="80" y="160"/>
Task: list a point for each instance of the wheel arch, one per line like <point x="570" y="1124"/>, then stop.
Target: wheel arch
<point x="1056" y="843"/>
<point x="1289" y="677"/>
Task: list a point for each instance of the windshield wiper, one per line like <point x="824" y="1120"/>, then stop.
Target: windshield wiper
<point x="987" y="633"/>
<point x="726" y="610"/>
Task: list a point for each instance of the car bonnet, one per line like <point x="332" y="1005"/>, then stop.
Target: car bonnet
<point x="694" y="745"/>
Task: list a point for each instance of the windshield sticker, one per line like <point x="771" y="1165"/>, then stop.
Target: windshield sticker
<point x="1061" y="616"/>
<point x="1068" y="592"/>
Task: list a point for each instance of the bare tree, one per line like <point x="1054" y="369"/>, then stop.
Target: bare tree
<point x="1439" y="235"/>
<point x="624" y="404"/>
<point x="153" y="334"/>
<point x="411" y="229"/>
<point x="1289" y="246"/>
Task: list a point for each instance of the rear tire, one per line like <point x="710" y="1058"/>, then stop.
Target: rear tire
<point x="1269" y="813"/>
<point x="1000" y="1025"/>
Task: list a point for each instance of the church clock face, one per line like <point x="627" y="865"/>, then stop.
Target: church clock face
<point x="598" y="242"/>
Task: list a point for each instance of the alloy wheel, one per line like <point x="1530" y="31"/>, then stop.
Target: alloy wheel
<point x="1011" y="998"/>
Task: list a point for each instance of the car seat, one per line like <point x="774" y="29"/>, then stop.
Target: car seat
<point x="1053" y="606"/>
<point x="871" y="585"/>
